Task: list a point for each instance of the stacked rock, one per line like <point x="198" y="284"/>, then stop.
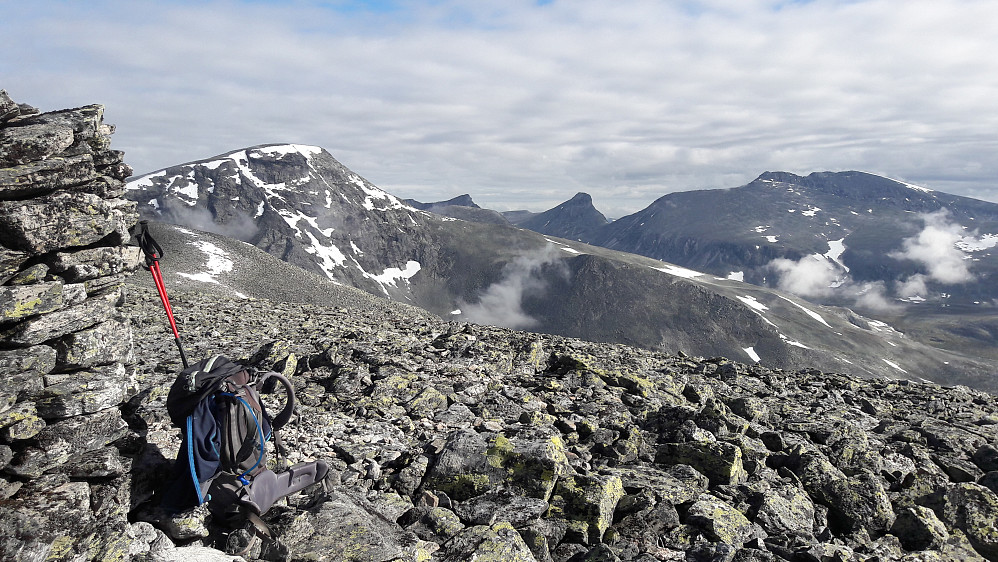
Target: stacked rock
<point x="64" y="346"/>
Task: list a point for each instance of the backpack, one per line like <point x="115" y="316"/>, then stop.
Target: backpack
<point x="225" y="427"/>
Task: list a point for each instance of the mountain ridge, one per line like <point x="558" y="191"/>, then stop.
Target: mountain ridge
<point x="498" y="274"/>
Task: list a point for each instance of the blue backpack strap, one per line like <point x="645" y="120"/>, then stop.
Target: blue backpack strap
<point x="259" y="429"/>
<point x="202" y="446"/>
<point x="190" y="459"/>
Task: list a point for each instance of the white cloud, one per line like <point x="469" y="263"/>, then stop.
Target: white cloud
<point x="809" y="277"/>
<point x="523" y="104"/>
<point x="935" y="248"/>
<point x="819" y="277"/>
<point x="501" y="304"/>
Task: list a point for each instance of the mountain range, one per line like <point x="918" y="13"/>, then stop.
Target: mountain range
<point x="298" y="204"/>
<point x="922" y="260"/>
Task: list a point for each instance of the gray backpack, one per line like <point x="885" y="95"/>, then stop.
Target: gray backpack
<point x="225" y="428"/>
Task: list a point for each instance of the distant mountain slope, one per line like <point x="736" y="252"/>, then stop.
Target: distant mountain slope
<point x="840" y="232"/>
<point x="213" y="263"/>
<point x="574" y="219"/>
<point x="299" y="204"/>
<point x="461" y="207"/>
<point x="846" y="238"/>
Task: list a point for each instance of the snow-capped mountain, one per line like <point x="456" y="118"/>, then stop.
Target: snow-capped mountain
<point x="300" y="205"/>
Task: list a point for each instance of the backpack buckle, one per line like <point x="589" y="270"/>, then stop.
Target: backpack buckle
<point x="192" y="382"/>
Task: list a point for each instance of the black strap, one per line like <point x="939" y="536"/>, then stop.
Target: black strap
<point x="152" y="250"/>
<point x="284" y="417"/>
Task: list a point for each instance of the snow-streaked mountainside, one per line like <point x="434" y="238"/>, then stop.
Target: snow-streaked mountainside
<point x="923" y="260"/>
<point x="848" y="238"/>
<point x="299" y="204"/>
<point x="295" y="202"/>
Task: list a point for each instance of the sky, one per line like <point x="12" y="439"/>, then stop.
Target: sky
<point x="524" y="103"/>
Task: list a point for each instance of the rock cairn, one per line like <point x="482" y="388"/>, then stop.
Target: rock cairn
<point x="456" y="442"/>
<point x="64" y="345"/>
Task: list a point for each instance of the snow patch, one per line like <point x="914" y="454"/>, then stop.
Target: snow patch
<point x="144" y="181"/>
<point x="807" y="311"/>
<point x="218" y="262"/>
<point x="392" y="274"/>
<point x="751" y="302"/>
<point x="190" y="191"/>
<point x="285" y="149"/>
<point x="455" y="312"/>
<point x="772" y="239"/>
<point x="835" y="250"/>
<point x="895" y="365"/>
<point x="917" y="187"/>
<point x="811" y="211"/>
<point x="374" y="194"/>
<point x="679" y="271"/>
<point x="978" y="244"/>
<point x="330" y="256"/>
<point x="794" y="343"/>
<point x="751" y="353"/>
<point x="737" y="276"/>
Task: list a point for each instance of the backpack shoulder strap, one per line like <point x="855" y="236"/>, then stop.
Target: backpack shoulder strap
<point x="267" y="386"/>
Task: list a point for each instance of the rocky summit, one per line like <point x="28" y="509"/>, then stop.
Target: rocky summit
<point x="447" y="441"/>
<point x="453" y="441"/>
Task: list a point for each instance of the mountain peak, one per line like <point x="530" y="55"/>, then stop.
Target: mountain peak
<point x="572" y="219"/>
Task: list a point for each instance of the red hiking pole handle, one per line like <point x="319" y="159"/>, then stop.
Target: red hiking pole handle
<point x="153" y="252"/>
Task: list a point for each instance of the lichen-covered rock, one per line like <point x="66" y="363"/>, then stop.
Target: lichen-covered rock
<point x="38" y="178"/>
<point x="720" y="462"/>
<point x="60" y="220"/>
<point x="92" y="263"/>
<point x="590" y="500"/>
<point x="501" y="505"/>
<point x="29" y="143"/>
<point x="974" y="510"/>
<point x="918" y="528"/>
<point x="8" y="107"/>
<point x="722" y="522"/>
<point x="20" y="422"/>
<point x="106" y="343"/>
<point x="348" y="526"/>
<point x="62" y="322"/>
<point x="47" y="524"/>
<point x="84" y="392"/>
<point x="495" y="543"/>
<point x="462" y="470"/>
<point x="85" y="432"/>
<point x="66" y="489"/>
<point x="785" y="509"/>
<point x="25" y="301"/>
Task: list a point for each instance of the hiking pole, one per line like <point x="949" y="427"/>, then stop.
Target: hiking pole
<point x="153" y="252"/>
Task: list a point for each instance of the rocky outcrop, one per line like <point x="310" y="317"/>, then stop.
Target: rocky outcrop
<point x="66" y="348"/>
<point x="461" y="442"/>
